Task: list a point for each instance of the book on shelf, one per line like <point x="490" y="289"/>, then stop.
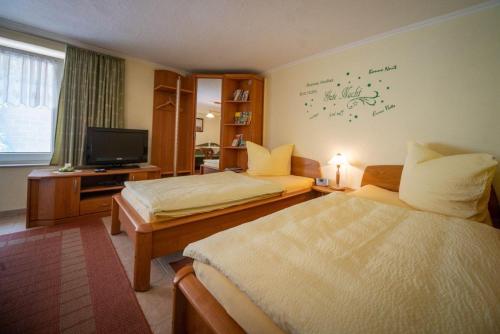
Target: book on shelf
<point x="241" y="95"/>
<point x="237" y="95"/>
<point x="238" y="141"/>
<point x="244" y="95"/>
<point x="242" y="117"/>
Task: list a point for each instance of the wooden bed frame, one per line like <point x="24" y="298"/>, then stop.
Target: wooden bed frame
<point x="159" y="239"/>
<point x="197" y="311"/>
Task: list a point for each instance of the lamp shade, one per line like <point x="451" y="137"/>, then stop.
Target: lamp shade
<point x="210" y="115"/>
<point x="338" y="159"/>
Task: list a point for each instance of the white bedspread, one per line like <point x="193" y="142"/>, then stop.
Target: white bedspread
<point x="186" y="195"/>
<point x="340" y="264"/>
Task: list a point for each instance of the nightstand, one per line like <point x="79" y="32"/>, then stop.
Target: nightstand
<point x="325" y="190"/>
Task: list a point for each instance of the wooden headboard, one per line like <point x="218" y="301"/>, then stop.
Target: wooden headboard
<point x="383" y="176"/>
<point x="389" y="177"/>
<point x="305" y="167"/>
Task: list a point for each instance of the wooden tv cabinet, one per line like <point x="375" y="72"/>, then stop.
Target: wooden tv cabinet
<point x="55" y="198"/>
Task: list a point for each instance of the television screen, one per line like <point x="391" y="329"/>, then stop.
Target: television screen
<point x="106" y="146"/>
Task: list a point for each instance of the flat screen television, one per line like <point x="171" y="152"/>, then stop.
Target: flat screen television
<point x="115" y="147"/>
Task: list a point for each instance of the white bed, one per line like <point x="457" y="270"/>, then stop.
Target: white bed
<point x="442" y="292"/>
<point x="230" y="183"/>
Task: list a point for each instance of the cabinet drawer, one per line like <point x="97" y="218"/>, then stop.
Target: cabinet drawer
<point x="138" y="176"/>
<point x="95" y="204"/>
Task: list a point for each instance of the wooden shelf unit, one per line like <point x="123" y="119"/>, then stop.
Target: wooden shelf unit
<point x="172" y="89"/>
<point x="237" y="156"/>
<point x="55" y="198"/>
<point x="162" y="147"/>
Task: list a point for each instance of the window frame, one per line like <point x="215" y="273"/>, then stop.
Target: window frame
<point x="25" y="159"/>
<point x="12" y="159"/>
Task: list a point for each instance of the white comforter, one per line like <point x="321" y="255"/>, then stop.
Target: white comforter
<point x="340" y="264"/>
<point x="186" y="195"/>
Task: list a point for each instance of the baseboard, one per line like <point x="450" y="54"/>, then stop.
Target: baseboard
<point x="10" y="213"/>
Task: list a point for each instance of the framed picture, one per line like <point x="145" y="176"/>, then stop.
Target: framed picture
<point x="199" y="124"/>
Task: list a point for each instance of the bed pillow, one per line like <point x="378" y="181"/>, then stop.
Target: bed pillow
<point x="261" y="162"/>
<point x="378" y="194"/>
<point x="455" y="185"/>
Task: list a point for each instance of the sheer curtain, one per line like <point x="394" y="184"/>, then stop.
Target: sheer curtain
<point x="29" y="90"/>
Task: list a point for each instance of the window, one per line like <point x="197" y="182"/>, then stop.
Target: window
<point x="29" y="91"/>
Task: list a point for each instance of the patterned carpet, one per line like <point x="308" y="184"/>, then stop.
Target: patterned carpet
<point x="65" y="279"/>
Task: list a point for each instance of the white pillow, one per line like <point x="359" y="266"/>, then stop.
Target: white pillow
<point x="261" y="162"/>
<point x="455" y="185"/>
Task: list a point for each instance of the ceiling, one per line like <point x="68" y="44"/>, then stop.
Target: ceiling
<point x="222" y="35"/>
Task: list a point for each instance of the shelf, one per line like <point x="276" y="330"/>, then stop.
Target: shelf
<point x="235" y="148"/>
<point x="100" y="188"/>
<point x="234" y="124"/>
<point x="233" y="101"/>
<point x="164" y="88"/>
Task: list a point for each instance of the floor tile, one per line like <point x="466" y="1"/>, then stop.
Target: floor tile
<point x="154" y="302"/>
<point x="164" y="327"/>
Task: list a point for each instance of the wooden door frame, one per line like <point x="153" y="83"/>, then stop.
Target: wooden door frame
<point x="195" y="97"/>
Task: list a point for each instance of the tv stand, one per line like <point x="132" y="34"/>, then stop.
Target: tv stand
<point x="120" y="167"/>
<point x="108" y="167"/>
<point x="55" y="197"/>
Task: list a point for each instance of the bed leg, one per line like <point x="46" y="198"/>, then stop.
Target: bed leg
<point x="115" y="222"/>
<point x="142" y="261"/>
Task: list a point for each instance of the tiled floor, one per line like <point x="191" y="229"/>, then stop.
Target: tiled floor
<point x="11" y="224"/>
<point x="155" y="303"/>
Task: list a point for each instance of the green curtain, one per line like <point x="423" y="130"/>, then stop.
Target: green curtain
<point x="92" y="94"/>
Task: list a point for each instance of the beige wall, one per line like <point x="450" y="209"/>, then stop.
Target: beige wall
<point x="13" y="187"/>
<point x="444" y="91"/>
<point x="138" y="115"/>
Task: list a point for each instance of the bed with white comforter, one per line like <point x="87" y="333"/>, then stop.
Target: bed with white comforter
<point x="343" y="264"/>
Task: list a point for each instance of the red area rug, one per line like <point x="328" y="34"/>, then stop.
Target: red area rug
<point x="65" y="279"/>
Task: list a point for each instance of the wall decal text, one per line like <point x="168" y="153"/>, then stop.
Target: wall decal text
<point x="350" y="96"/>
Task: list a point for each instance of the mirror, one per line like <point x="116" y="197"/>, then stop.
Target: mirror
<point x="207" y="127"/>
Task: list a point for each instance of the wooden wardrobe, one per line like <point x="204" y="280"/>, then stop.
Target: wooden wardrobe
<point x="163" y="136"/>
<point x="164" y="102"/>
<point x="230" y="156"/>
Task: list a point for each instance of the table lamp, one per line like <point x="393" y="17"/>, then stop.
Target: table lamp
<point x="338" y="160"/>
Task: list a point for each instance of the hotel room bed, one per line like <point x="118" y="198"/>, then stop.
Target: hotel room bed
<point x="184" y="197"/>
<point x="259" y="302"/>
<point x="159" y="233"/>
